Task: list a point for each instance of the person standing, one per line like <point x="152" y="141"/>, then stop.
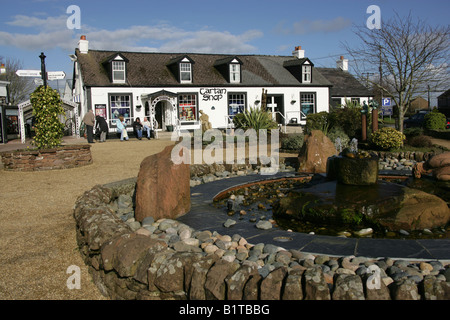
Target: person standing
<point x="89" y="121"/>
<point x="102" y="127"/>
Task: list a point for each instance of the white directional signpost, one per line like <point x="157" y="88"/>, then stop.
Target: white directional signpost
<point x="56" y="75"/>
<point x="51" y="75"/>
<point x="29" y="73"/>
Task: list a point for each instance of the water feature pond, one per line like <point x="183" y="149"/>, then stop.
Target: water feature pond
<point x="261" y="201"/>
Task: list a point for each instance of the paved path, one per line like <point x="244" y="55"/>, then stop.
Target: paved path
<point x="204" y="216"/>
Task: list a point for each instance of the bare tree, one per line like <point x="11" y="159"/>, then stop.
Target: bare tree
<point x="19" y="88"/>
<point x="408" y="55"/>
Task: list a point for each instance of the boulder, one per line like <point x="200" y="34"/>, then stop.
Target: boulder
<point x="162" y="187"/>
<point x="315" y="152"/>
<point x="438" y="165"/>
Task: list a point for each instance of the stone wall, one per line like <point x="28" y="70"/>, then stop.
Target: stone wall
<point x="166" y="259"/>
<point x="64" y="157"/>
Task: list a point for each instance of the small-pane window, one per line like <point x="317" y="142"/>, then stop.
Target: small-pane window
<point x="235" y="73"/>
<point x="185" y="72"/>
<point x="307" y="104"/>
<point x="306" y="72"/>
<point x="118" y="70"/>
<point x="187" y="107"/>
<point x="236" y="103"/>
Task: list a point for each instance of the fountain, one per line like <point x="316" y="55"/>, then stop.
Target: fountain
<point x="352" y="195"/>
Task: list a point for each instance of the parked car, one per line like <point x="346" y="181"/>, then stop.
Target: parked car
<point x="448" y="123"/>
<point x="416" y="120"/>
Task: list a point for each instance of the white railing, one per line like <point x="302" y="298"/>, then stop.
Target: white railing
<point x="274" y="117"/>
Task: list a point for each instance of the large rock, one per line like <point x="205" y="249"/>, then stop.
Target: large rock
<point x="315" y="152"/>
<point x="162" y="187"/>
<point x="389" y="205"/>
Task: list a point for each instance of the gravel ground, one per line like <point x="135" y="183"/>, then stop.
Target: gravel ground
<point x="37" y="229"/>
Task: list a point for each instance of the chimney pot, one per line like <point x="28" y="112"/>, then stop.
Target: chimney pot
<point x="83" y="45"/>
<point x="298" y="52"/>
<point x="342" y="57"/>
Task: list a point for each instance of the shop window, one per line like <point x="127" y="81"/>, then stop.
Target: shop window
<point x="120" y="105"/>
<point x="307" y="104"/>
<point x="187" y="107"/>
<point x="236" y="103"/>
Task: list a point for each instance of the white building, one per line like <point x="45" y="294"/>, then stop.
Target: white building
<point x="172" y="88"/>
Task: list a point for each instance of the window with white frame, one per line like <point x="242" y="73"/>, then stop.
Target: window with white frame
<point x="187" y="107"/>
<point x="236" y="103"/>
<point x="120" y="105"/>
<point x="306" y="73"/>
<point x="185" y="73"/>
<point x="307" y="103"/>
<point x="118" y="71"/>
<point x="235" y="73"/>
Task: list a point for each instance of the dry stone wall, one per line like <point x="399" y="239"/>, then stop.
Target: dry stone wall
<point x="166" y="259"/>
<point x="64" y="157"/>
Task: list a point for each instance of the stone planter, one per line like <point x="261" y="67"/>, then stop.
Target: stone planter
<point x="64" y="157"/>
<point x="354" y="171"/>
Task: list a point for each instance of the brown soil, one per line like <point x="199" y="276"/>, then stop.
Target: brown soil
<point x="37" y="228"/>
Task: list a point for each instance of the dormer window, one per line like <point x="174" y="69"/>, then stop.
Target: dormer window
<point x="306" y="73"/>
<point x="235" y="73"/>
<point x="301" y="69"/>
<point x="116" y="65"/>
<point x="118" y="71"/>
<point x="182" y="68"/>
<point x="185" y="72"/>
<point x="230" y="68"/>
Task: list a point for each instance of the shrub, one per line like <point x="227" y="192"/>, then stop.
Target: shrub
<point x="420" y="141"/>
<point x="349" y="119"/>
<point x="48" y="109"/>
<point x="435" y="120"/>
<point x="254" y="118"/>
<point x="293" y="141"/>
<point x="387" y="138"/>
<point x="338" y="132"/>
<point x="317" y="121"/>
<point x="413" y="132"/>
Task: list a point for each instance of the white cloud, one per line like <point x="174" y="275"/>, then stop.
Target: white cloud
<point x="53" y="33"/>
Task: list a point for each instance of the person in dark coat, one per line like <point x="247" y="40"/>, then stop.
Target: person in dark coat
<point x="102" y="127"/>
<point x="137" y="128"/>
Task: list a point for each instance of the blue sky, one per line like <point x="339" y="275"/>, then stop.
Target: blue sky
<point x="29" y="27"/>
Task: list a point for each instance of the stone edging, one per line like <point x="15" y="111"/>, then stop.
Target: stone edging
<point x="169" y="260"/>
<point x="64" y="157"/>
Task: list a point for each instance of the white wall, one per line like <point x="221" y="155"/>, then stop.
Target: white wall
<point x="214" y="105"/>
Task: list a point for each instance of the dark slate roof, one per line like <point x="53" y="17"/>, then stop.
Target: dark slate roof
<point x="344" y="83"/>
<point x="445" y="94"/>
<point x="151" y="70"/>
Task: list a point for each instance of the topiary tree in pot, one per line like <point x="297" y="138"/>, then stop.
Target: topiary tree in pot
<point x="47" y="109"/>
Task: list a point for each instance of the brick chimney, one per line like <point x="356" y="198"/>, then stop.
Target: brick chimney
<point x="342" y="64"/>
<point x="298" y="52"/>
<point x="83" y="45"/>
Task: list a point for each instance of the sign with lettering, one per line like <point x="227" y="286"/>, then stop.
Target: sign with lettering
<point x="212" y="94"/>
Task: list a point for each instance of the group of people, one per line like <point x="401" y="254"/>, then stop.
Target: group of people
<point x="101" y="126"/>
